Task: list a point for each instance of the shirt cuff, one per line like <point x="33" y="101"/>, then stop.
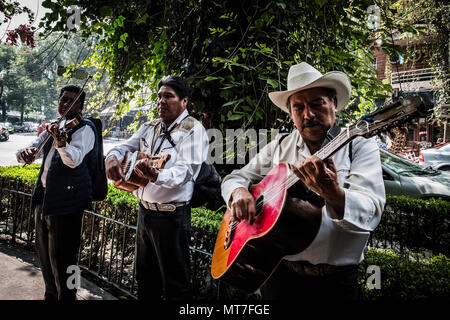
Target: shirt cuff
<point x="66" y="156"/>
<point x="163" y="177"/>
<point x="230" y="187"/>
<point x="356" y="212"/>
<point x="118" y="155"/>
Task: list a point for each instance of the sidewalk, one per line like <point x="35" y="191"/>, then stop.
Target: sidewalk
<point x="21" y="279"/>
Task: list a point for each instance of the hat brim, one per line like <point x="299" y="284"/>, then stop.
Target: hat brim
<point x="335" y="80"/>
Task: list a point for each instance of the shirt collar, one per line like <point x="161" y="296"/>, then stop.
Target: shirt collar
<point x="183" y="115"/>
<point x="302" y="147"/>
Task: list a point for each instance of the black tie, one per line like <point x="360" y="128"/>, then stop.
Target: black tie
<point x="167" y="133"/>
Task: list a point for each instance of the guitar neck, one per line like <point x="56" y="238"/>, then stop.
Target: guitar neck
<point x="334" y="145"/>
<point x="328" y="150"/>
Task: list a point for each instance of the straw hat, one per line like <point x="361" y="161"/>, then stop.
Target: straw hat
<point x="302" y="76"/>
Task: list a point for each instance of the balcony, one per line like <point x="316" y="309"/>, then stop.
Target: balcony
<point x="415" y="79"/>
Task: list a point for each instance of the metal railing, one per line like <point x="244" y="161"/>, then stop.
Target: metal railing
<point x="107" y="248"/>
<point x="426" y="74"/>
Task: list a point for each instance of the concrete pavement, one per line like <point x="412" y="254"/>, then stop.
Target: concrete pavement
<point x="21" y="279"/>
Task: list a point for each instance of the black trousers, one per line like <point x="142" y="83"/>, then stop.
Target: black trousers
<point x="287" y="284"/>
<point x="162" y="254"/>
<point x="57" y="246"/>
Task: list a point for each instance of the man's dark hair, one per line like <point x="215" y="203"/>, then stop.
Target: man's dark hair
<point x="178" y="84"/>
<point x="76" y="89"/>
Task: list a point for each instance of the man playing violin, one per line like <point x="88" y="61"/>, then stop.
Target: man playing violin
<point x="63" y="190"/>
<point x="164" y="217"/>
<point x="350" y="183"/>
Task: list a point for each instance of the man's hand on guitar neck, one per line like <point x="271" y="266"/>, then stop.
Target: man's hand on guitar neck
<point x="242" y="205"/>
<point x="321" y="176"/>
<point x="113" y="169"/>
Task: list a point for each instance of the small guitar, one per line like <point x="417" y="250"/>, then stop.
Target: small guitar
<point x="132" y="181"/>
<point x="245" y="255"/>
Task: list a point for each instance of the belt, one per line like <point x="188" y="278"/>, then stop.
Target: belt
<point x="163" y="206"/>
<point x="308" y="269"/>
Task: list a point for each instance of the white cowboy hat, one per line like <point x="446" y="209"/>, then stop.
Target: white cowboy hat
<point x="302" y="76"/>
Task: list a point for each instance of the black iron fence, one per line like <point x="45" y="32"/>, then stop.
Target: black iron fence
<point x="107" y="248"/>
<point x="108" y="238"/>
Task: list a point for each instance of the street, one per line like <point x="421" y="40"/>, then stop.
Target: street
<point x="17" y="141"/>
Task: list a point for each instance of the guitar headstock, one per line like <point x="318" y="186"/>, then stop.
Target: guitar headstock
<point x="157" y="162"/>
<point x="388" y="117"/>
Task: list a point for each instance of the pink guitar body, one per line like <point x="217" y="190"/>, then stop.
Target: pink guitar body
<point x="248" y="254"/>
<point x="245" y="255"/>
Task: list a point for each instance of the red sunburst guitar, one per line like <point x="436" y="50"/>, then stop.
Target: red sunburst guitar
<point x="245" y="255"/>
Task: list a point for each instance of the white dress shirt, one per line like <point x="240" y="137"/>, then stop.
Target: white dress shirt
<point x="72" y="154"/>
<point x="175" y="182"/>
<point x="338" y="241"/>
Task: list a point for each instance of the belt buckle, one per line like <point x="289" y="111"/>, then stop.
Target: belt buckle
<point x="159" y="207"/>
<point x="166" y="207"/>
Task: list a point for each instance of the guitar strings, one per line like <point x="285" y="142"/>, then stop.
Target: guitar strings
<point x="323" y="153"/>
<point x="291" y="179"/>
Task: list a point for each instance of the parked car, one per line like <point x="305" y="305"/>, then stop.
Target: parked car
<point x="30" y="126"/>
<point x="34" y="126"/>
<point x="404" y="177"/>
<point x="19" y="127"/>
<point x="437" y="157"/>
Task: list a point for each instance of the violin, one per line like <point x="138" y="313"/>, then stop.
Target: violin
<point x="65" y="127"/>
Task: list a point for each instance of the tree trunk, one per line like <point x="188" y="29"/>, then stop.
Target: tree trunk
<point x="22" y="110"/>
<point x="2" y="104"/>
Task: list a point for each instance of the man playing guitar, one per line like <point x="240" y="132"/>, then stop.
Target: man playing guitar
<point x="350" y="182"/>
<point x="162" y="245"/>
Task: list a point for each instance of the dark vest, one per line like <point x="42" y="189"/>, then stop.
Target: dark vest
<point x="67" y="190"/>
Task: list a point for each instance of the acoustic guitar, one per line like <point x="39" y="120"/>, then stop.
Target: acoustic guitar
<point x="132" y="181"/>
<point x="246" y="254"/>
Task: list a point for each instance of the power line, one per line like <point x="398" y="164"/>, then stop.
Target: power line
<point x="27" y="75"/>
<point x="54" y="57"/>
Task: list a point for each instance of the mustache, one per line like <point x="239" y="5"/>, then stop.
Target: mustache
<point x="310" y="123"/>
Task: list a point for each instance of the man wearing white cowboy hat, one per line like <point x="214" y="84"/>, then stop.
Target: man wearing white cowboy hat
<point x="350" y="182"/>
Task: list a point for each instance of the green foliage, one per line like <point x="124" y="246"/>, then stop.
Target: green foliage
<point x="406" y="278"/>
<point x="27" y="174"/>
<point x="29" y="78"/>
<point x="207" y="220"/>
<point x="427" y="20"/>
<point x="9" y="9"/>
<point x="416" y="223"/>
<point x="121" y="198"/>
<point x="232" y="53"/>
